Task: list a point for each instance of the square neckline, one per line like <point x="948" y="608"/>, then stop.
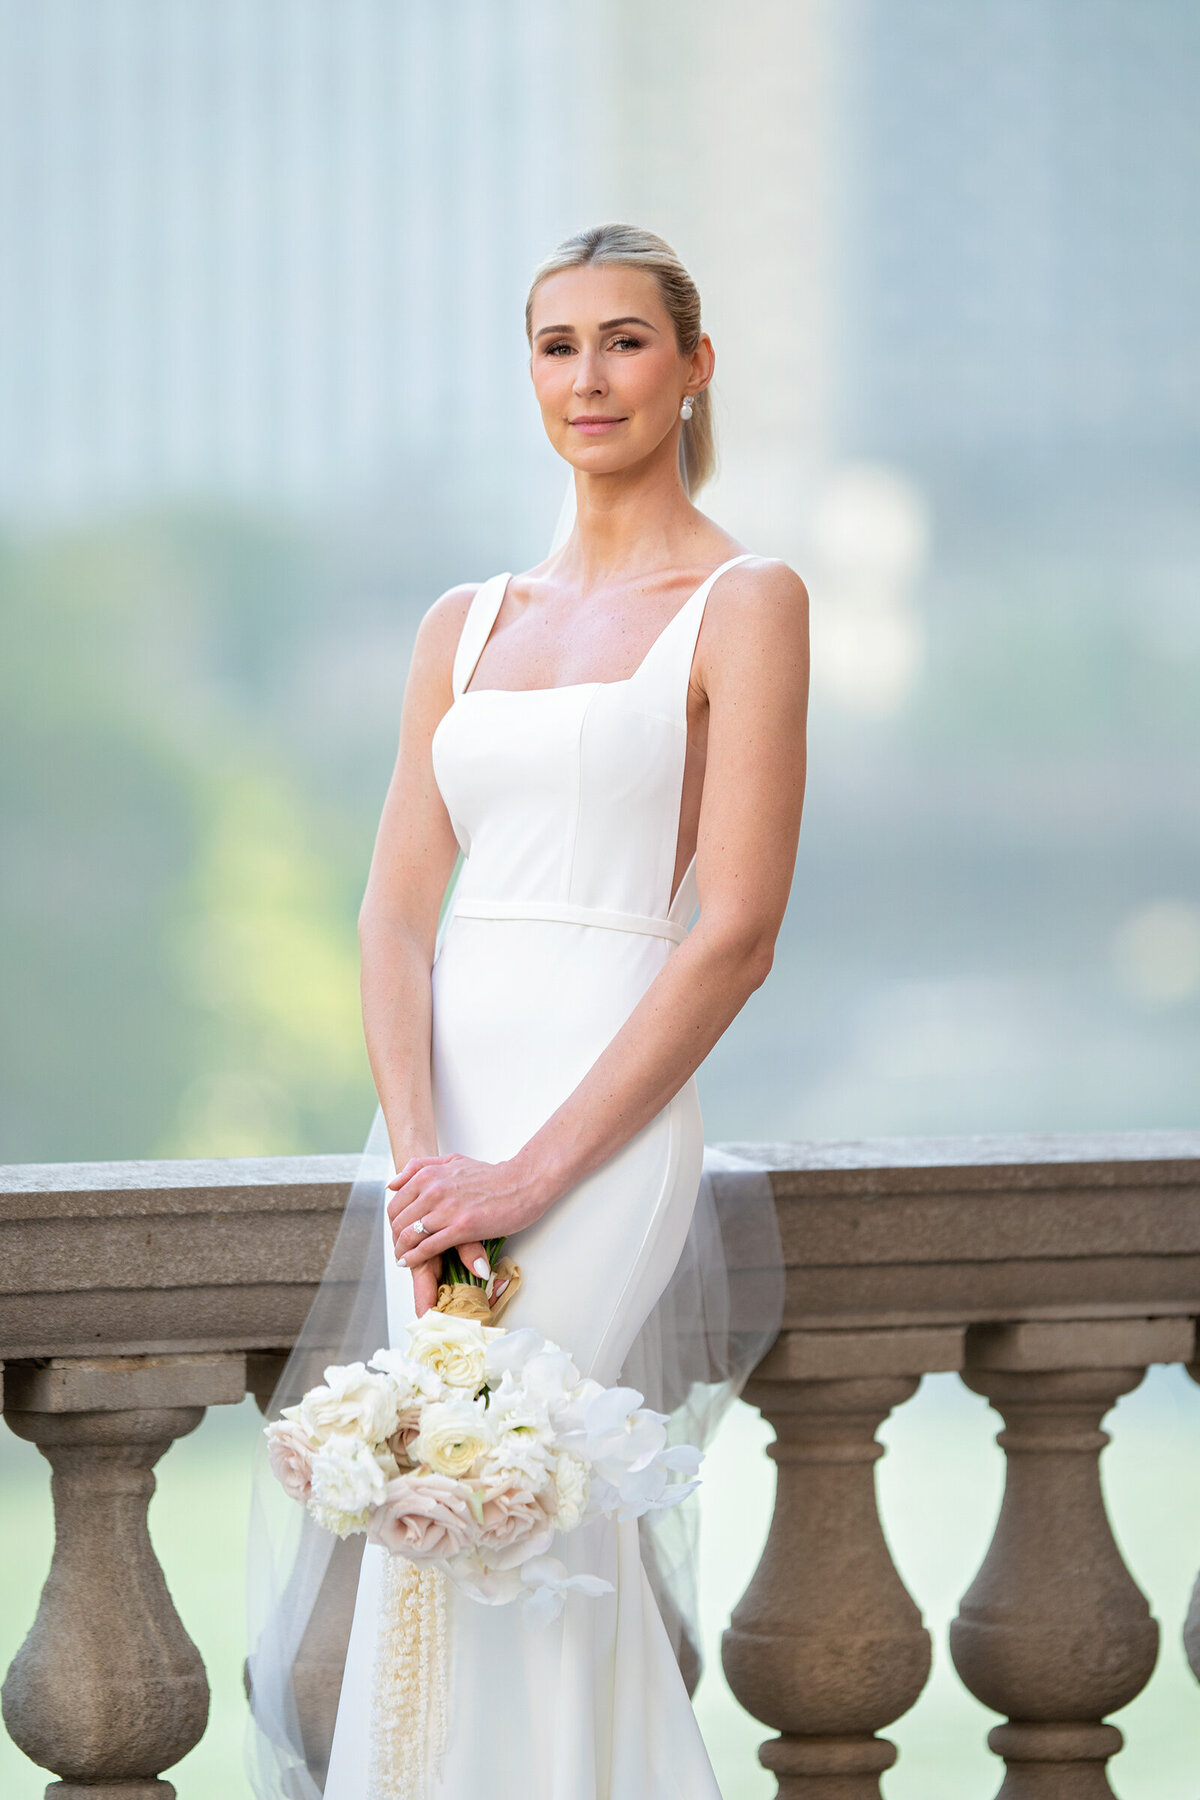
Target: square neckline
<point x="569" y="687"/>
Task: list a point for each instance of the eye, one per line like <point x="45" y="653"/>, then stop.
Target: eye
<point x="625" y="342"/>
<point x="553" y="349"/>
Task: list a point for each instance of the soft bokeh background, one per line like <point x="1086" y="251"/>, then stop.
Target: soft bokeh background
<point x="263" y="395"/>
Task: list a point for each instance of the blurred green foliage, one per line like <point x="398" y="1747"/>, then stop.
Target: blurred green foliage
<point x="177" y="906"/>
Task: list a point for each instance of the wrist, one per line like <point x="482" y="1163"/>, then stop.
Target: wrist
<point x="539" y="1175"/>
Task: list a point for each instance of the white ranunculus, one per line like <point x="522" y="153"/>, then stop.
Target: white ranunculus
<point x="346" y="1476"/>
<point x="453" y="1348"/>
<point x="454" y="1434"/>
<point x="353" y="1403"/>
<point x="571" y="1485"/>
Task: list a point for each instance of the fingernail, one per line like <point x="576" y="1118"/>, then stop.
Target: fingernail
<point x="481" y="1268"/>
<point x="500" y="1289"/>
<point x="403" y="1261"/>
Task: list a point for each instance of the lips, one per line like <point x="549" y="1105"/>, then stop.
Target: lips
<point x="594" y="423"/>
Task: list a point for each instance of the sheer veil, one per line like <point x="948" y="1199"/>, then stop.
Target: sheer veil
<point x="714" y="1321"/>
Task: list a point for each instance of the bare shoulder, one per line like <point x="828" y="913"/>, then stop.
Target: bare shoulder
<point x="441" y="624"/>
<point x="437" y="638"/>
<point x="757" y="610"/>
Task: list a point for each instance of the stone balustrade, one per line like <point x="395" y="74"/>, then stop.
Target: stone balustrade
<point x="1049" y="1272"/>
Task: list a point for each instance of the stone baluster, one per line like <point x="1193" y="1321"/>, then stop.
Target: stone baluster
<point x="108" y="1689"/>
<point x="1053" y="1631"/>
<point x="826" y="1645"/>
<point x="1191" y="1626"/>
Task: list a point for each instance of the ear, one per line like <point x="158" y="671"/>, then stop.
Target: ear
<point x="703" y="362"/>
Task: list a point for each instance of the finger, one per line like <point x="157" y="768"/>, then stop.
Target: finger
<point x="434" y="1244"/>
<point x="418" y="1192"/>
<point x="407" y="1237"/>
<point x="475" y="1258"/>
<point x="425" y="1286"/>
<point x="412" y="1167"/>
<point x="401" y="1185"/>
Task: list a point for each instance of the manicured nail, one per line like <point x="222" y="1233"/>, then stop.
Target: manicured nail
<point x="498" y="1290"/>
<point x="403" y="1261"/>
<point x="480" y="1266"/>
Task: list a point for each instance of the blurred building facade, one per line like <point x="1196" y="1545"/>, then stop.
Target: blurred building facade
<point x="263" y="391"/>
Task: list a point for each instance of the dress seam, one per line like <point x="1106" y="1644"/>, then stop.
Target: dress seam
<point x="571" y="835"/>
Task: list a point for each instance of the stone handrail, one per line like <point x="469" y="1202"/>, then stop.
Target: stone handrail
<point x="1049" y="1271"/>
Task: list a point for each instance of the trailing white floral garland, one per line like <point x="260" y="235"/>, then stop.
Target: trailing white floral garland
<point x="409" y="1705"/>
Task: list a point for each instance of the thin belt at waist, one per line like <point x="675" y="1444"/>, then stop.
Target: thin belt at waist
<point x="564" y="913"/>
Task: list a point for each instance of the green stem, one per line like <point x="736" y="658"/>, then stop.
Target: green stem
<point x="455" y="1270"/>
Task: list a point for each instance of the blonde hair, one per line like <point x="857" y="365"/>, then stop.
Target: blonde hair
<point x="628" y="246"/>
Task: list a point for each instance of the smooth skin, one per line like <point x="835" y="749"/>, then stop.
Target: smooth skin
<point x="603" y="347"/>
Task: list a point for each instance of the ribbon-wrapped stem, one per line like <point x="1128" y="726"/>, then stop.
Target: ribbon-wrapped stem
<point x="465" y="1294"/>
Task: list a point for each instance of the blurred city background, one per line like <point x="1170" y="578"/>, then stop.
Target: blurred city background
<point x="263" y="395"/>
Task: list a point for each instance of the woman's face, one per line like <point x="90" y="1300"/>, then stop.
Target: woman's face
<point x="608" y="373"/>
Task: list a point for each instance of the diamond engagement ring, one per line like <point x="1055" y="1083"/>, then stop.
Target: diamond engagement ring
<point x="419" y="1227"/>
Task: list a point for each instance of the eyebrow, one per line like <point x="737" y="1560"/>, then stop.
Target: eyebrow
<point x="605" y="325"/>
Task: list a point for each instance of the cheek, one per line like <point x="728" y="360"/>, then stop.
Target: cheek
<point x="551" y="381"/>
<point x="646" y="386"/>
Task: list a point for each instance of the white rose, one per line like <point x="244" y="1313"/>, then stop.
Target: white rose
<point x="454" y="1434"/>
<point x="346" y="1477"/>
<point x="353" y="1403"/>
<point x="453" y="1348"/>
<point x="571" y="1486"/>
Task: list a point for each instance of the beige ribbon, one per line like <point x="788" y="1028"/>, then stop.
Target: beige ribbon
<point x="466" y="1301"/>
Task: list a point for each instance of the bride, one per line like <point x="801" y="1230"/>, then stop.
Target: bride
<point x="614" y="741"/>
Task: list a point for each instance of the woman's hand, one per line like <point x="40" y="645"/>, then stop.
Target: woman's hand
<point x="459" y="1202"/>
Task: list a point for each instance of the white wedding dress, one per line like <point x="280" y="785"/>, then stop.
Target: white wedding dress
<point x="566" y="804"/>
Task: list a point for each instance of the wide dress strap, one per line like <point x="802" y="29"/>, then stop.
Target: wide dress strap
<point x="663" y="677"/>
<point x="476" y="628"/>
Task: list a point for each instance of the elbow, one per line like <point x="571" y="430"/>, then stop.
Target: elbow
<point x="757" y="960"/>
<point x="747" y="951"/>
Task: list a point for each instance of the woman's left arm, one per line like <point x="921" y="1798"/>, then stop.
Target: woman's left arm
<point x="752" y="662"/>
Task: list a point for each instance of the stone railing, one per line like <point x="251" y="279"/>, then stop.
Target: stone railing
<point x="1048" y="1271"/>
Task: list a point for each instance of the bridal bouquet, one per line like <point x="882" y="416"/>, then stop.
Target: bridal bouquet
<point x="471" y="1448"/>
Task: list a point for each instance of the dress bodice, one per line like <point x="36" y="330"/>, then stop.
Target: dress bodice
<point x="565" y="800"/>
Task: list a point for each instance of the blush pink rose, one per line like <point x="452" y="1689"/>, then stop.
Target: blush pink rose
<point x="290" y="1453"/>
<point x="424" y="1517"/>
<point x="515" y="1525"/>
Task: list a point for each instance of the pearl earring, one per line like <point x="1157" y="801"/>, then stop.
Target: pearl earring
<point x="685" y="411"/>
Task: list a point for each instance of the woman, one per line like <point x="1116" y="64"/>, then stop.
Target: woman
<point x="613" y="739"/>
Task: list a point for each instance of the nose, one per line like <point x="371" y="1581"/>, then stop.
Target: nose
<point x="589" y="374"/>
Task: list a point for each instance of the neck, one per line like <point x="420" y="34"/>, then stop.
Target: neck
<point x="631" y="522"/>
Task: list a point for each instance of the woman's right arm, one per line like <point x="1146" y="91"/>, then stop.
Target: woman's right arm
<point x="413" y="859"/>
